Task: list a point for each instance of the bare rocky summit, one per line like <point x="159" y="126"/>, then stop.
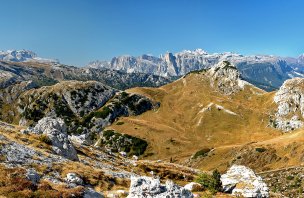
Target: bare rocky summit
<point x="290" y="110"/>
<point x="226" y="78"/>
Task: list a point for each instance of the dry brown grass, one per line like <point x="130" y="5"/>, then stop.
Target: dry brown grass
<point x="91" y="175"/>
<point x="14" y="184"/>
<point x="178" y="129"/>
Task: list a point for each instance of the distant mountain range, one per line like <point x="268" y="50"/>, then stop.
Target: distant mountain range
<point x="23" y="56"/>
<point x="265" y="71"/>
<point x="81" y="130"/>
<point x="23" y="65"/>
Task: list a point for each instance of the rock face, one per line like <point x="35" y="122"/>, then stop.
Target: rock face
<point x="55" y="130"/>
<point x="147" y="187"/>
<point x="66" y="100"/>
<point x="86" y="96"/>
<point x="290" y="101"/>
<point x="11" y="93"/>
<point x="85" y="107"/>
<point x="265" y="71"/>
<point x="226" y="78"/>
<point x="240" y="180"/>
<point x="45" y="73"/>
<point x="17" y="55"/>
<point x="23" y="56"/>
<point x="122" y="104"/>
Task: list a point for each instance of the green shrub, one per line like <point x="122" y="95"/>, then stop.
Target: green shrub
<point x="119" y="123"/>
<point x="138" y="146"/>
<point x="260" y="150"/>
<point x="129" y="144"/>
<point x="203" y="152"/>
<point x="103" y="113"/>
<point x="124" y="94"/>
<point x="211" y="183"/>
<point x="108" y="134"/>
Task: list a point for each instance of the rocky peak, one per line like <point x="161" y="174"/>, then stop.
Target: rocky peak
<point x="99" y="64"/>
<point x="124" y="60"/>
<point x="226" y="78"/>
<point x="170" y="59"/>
<point x="17" y="55"/>
<point x="290" y="101"/>
<point x="301" y="58"/>
<point x="23" y="56"/>
<point x="196" y="52"/>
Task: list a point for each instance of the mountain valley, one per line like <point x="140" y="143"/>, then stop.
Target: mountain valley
<point x="97" y="132"/>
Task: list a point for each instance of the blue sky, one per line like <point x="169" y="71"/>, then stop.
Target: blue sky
<point x="79" y="31"/>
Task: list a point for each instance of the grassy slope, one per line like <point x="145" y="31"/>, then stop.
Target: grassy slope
<point x="177" y="129"/>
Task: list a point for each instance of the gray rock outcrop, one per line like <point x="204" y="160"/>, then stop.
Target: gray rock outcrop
<point x="122" y="104"/>
<point x="290" y="101"/>
<point x="226" y="78"/>
<point x="55" y="130"/>
<point x="242" y="181"/>
<point x="73" y="179"/>
<point x="147" y="187"/>
<point x="11" y="93"/>
<point x="32" y="175"/>
<point x="91" y="193"/>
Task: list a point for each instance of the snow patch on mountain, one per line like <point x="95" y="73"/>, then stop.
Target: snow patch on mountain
<point x="23" y="56"/>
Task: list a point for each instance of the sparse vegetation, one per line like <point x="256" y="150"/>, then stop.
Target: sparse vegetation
<point x="123" y="142"/>
<point x="119" y="123"/>
<point x="201" y="153"/>
<point x="260" y="149"/>
<point x="211" y="183"/>
<point x="14" y="184"/>
<point x="103" y="113"/>
<point x="44" y="138"/>
<point x="290" y="177"/>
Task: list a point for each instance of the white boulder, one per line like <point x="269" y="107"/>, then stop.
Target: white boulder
<point x="148" y="187"/>
<point x="73" y="178"/>
<point x="56" y="130"/>
<point x="240" y="180"/>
